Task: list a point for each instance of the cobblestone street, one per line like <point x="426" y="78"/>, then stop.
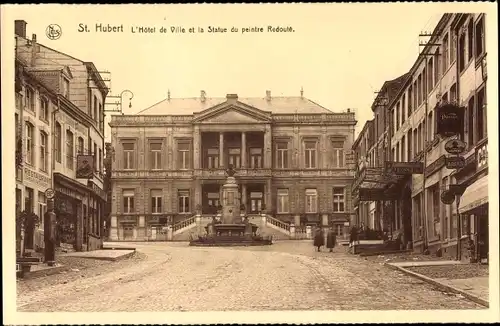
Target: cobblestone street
<point x="288" y="275"/>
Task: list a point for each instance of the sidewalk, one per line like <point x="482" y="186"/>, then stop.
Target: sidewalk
<point x="106" y="254"/>
<point x="468" y="280"/>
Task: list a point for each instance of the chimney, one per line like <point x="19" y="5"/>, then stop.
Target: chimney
<point x="20" y="28"/>
<point x="232" y="97"/>
<point x="348" y="110"/>
<point x="202" y="96"/>
<point x="33" y="38"/>
<point x="302" y="92"/>
<point x="168" y="95"/>
<point x="268" y="95"/>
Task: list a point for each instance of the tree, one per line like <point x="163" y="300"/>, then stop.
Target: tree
<point x="107" y="183"/>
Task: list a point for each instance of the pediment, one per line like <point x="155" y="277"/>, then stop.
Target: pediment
<point x="231" y="114"/>
<point x="67" y="72"/>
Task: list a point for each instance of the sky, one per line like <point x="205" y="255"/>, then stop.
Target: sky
<point x="340" y="54"/>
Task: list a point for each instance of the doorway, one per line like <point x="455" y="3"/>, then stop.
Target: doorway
<point x="128" y="231"/>
<point x="483" y="237"/>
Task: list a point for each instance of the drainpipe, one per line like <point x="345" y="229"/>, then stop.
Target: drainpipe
<point x="457" y="83"/>
<point x="424" y="195"/>
<point x="53" y="163"/>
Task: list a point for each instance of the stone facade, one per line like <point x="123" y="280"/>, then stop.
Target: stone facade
<point x="170" y="166"/>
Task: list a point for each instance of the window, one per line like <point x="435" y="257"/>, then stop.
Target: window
<point x="30" y="143"/>
<point x="453" y="93"/>
<point x="410" y="100"/>
<point x="398" y="116"/>
<point x="461" y="52"/>
<point x="183" y="158"/>
<point x="30" y="99"/>
<point x="430" y="77"/>
<point x="480" y="44"/>
<point x="445" y="209"/>
<point x="283" y="201"/>
<point x="310" y="154"/>
<point x="338" y="200"/>
<point x="212" y="158"/>
<point x="28" y="199"/>
<point x="430" y="126"/>
<point x="394" y="153"/>
<point x="415" y="95"/>
<point x="470" y="40"/>
<point x="446" y="53"/>
<point x="128" y="153"/>
<point x="403" y="149"/>
<point x="183" y="196"/>
<point x="403" y="108"/>
<point x="453" y="48"/>
<point x="57" y="141"/>
<point x="311" y="201"/>
<point x="415" y="141"/>
<point x="482" y="121"/>
<point x="338" y="154"/>
<point x="80" y="146"/>
<point x="101" y="118"/>
<point x="100" y="161"/>
<point x="397" y="153"/>
<point x="42" y="206"/>
<point x="128" y="201"/>
<point x="155" y="155"/>
<point x="69" y="149"/>
<point x="419" y="146"/>
<point x="96" y="114"/>
<point x="96" y="158"/>
<point x="437" y="68"/>
<point x="44" y="109"/>
<point x="65" y="87"/>
<point x="43" y="151"/>
<point x="410" y="144"/>
<point x="417" y="216"/>
<point x="470" y="122"/>
<point x="255" y="158"/>
<point x="156" y="199"/>
<point x="234" y="158"/>
<point x="420" y="90"/>
<point x="435" y="210"/>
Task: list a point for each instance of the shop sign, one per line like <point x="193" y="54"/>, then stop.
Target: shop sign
<point x="449" y="120"/>
<point x="50" y="193"/>
<point x="457" y="190"/>
<point x="455" y="146"/>
<point x="404" y="168"/>
<point x="454" y="162"/>
<point x="447" y="197"/>
<point x="370" y="194"/>
<point x="85" y="166"/>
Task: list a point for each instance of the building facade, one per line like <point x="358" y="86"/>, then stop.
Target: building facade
<point x="292" y="159"/>
<point x="451" y="70"/>
<point x="68" y="101"/>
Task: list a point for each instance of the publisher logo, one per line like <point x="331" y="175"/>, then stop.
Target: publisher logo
<point x="53" y="31"/>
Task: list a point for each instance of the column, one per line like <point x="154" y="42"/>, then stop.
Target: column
<point x="243" y="150"/>
<point x="244" y="200"/>
<point x="141" y="230"/>
<point x="268" y="201"/>
<point x="197" y="196"/>
<point x="267" y="148"/>
<point x="221" y="149"/>
<point x="196" y="148"/>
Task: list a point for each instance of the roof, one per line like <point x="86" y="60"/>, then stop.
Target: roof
<point x="276" y="105"/>
<point x="366" y="127"/>
<point x="390" y="88"/>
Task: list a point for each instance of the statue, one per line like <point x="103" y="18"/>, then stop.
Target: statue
<point x="230" y="171"/>
<point x="248" y="227"/>
<point x="210" y="227"/>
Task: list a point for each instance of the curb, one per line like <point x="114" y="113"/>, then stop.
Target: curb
<point x="392" y="252"/>
<point x="46" y="272"/>
<point x="127" y="255"/>
<point x="118" y="248"/>
<point x="440" y="285"/>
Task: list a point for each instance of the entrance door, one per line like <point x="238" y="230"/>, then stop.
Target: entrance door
<point x="256" y="202"/>
<point x="128" y="232"/>
<point x="483" y="239"/>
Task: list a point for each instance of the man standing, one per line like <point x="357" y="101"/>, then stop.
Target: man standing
<point x="331" y="239"/>
<point x="319" y="238"/>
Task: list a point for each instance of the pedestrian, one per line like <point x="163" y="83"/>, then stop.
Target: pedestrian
<point x="331" y="239"/>
<point x="353" y="235"/>
<point x="319" y="239"/>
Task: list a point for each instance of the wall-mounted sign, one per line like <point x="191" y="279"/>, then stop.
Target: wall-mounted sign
<point x="50" y="193"/>
<point x="455" y="162"/>
<point x="455" y="146"/>
<point x="374" y="194"/>
<point x="447" y="197"/>
<point x="404" y="168"/>
<point x="84" y="166"/>
<point x="449" y="120"/>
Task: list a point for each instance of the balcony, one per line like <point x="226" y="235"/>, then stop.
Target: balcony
<point x="313" y="173"/>
<point x="151" y="174"/>
<point x="221" y="173"/>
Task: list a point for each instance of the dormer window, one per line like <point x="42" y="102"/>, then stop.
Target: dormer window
<point x="65" y="88"/>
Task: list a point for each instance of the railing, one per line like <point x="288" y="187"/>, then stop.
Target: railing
<point x="158" y="174"/>
<point x="184" y="223"/>
<point x="301" y="233"/>
<point x="282" y="225"/>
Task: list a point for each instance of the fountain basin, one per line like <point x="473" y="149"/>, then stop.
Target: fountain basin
<point x="231" y="235"/>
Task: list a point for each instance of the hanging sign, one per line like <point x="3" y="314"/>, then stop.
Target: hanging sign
<point x="449" y="120"/>
<point x="447" y="197"/>
<point x="455" y="146"/>
<point x="454" y="162"/>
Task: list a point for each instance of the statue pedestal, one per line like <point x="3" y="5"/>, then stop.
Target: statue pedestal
<point x="230" y="211"/>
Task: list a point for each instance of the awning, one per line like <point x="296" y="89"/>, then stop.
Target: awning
<point x="474" y="196"/>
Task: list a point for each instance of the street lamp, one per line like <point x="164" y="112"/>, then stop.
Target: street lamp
<point x="119" y="101"/>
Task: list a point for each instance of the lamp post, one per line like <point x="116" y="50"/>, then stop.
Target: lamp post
<point x="119" y="101"/>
